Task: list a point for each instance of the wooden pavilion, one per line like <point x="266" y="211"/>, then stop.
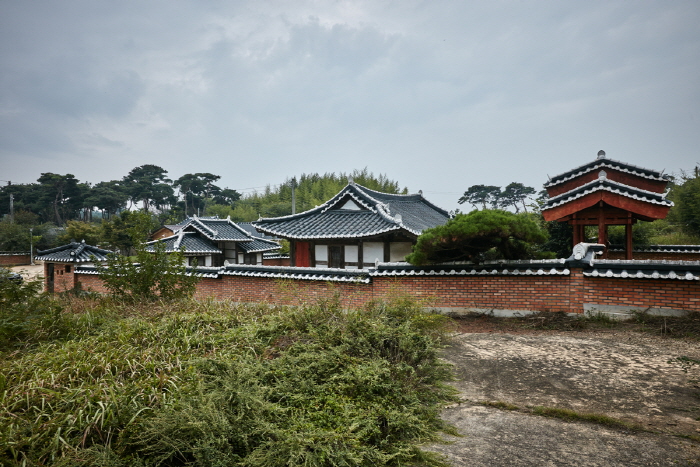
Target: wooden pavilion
<point x="606" y="192"/>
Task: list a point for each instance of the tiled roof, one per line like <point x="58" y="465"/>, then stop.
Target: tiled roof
<point x="217" y="229"/>
<point x="603" y="163"/>
<point x="74" y="252"/>
<point x="604" y="184"/>
<point x="496" y="268"/>
<point x="248" y="227"/>
<point x="259" y="245"/>
<point x="695" y="249"/>
<point x="640" y="269"/>
<point x="284" y="272"/>
<point x="357" y="212"/>
<point x="192" y="242"/>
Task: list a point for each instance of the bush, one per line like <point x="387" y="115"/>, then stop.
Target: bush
<point x="149" y="276"/>
<point x="468" y="237"/>
<point x="26" y="315"/>
<point x="224" y="385"/>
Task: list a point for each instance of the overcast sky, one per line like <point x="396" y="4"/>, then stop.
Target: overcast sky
<point x="438" y="95"/>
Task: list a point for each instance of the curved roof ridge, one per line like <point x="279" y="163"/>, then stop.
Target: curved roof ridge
<point x="609" y="163"/>
<point x="600" y="184"/>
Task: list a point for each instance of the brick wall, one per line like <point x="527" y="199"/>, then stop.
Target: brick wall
<point x="565" y="293"/>
<point x="15" y="259"/>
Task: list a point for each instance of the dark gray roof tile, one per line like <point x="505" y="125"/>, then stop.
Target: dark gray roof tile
<point x="357" y="212"/>
<point x="74" y="252"/>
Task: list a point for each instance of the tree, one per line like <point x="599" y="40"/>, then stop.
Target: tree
<point x="57" y="190"/>
<point x="467" y="237"/>
<point x="197" y="187"/>
<point x="149" y="184"/>
<point x="686" y="197"/>
<point x="120" y="232"/>
<point x="154" y="275"/>
<point x="514" y="194"/>
<point x="481" y="195"/>
<point x="79" y="231"/>
<point x="109" y="197"/>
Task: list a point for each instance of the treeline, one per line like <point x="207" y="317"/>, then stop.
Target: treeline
<point x="59" y="208"/>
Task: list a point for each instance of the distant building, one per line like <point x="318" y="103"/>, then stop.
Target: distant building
<point x="212" y="242"/>
<point x="355" y="229"/>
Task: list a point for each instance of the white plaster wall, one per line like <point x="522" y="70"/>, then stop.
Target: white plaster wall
<point x="399" y="250"/>
<point x="372" y="251"/>
<point x="352" y="253"/>
<point x="321" y="252"/>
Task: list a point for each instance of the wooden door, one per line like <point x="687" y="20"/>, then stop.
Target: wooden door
<point x="302" y="255"/>
<point x="335" y="256"/>
<point x="49" y="277"/>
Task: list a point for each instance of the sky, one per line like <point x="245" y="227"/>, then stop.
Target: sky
<point x="436" y="95"/>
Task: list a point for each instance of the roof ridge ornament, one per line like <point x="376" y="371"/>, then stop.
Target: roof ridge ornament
<point x="601" y="154"/>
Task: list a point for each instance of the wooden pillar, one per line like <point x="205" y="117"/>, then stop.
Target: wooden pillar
<point x="628" y="237"/>
<point x="577" y="234"/>
<point x="602" y="230"/>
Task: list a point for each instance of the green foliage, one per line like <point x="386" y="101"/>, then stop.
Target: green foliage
<point x="311" y="190"/>
<point x="513" y="195"/>
<point x="127" y="230"/>
<point x="481" y="195"/>
<point x="79" y="231"/>
<point x="468" y="237"/>
<point x="151" y="275"/>
<point x="223" y="385"/>
<point x="26" y="315"/>
<point x="560" y="239"/>
<point x="686" y="196"/>
<point x="640" y="234"/>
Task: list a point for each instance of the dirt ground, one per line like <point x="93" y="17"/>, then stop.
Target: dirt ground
<point x="615" y="371"/>
<point x="30" y="272"/>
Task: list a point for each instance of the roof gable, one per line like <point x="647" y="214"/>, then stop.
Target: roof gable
<point x="217" y="229"/>
<point x="357" y="212"/>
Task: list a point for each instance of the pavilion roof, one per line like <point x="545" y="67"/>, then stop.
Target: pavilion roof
<point x="603" y="163"/>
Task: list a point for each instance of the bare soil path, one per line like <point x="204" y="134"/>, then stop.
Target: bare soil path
<point x="618" y="372"/>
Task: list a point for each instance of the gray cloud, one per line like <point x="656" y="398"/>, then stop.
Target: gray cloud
<point x="437" y="95"/>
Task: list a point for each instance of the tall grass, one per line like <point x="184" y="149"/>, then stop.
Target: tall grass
<point x="197" y="383"/>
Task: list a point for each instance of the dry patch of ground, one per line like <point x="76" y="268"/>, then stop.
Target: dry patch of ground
<point x="507" y="370"/>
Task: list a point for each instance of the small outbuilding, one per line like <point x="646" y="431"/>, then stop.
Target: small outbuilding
<point x="60" y="263"/>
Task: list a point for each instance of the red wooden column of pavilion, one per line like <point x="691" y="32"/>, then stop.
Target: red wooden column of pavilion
<point x="606" y="192"/>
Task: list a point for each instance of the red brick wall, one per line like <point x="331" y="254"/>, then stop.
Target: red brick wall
<point x="64" y="277"/>
<point x="540" y="293"/>
<point x="282" y="292"/>
<point x="91" y="283"/>
<point x="18" y="259"/>
<point x="537" y="293"/>
<point x="643" y="293"/>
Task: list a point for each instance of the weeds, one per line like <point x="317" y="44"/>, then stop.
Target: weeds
<point x="190" y="383"/>
<point x="572" y="416"/>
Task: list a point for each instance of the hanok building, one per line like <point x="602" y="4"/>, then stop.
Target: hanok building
<point x="606" y="192"/>
<point x="212" y="242"/>
<point x="355" y="229"/>
<point x="60" y="263"/>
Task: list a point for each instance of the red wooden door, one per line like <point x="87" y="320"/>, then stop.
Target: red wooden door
<point x="302" y="256"/>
